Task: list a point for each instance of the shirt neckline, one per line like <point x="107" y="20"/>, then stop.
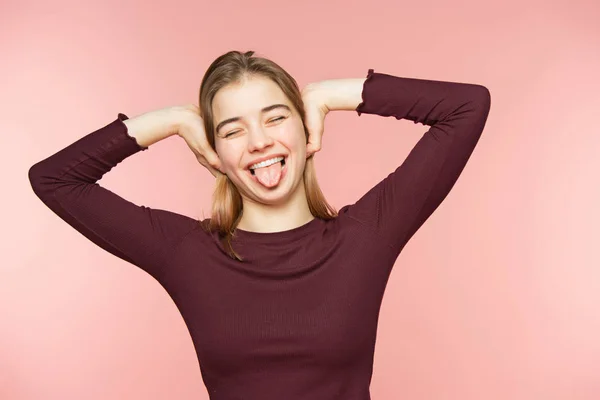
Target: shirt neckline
<point x="281" y="236"/>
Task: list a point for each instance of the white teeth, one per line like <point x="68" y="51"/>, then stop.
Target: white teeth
<point x="266" y="163"/>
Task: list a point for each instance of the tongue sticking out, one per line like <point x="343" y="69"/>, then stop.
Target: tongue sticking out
<point x="269" y="176"/>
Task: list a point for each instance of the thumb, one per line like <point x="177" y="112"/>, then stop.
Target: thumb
<point x="315" y="133"/>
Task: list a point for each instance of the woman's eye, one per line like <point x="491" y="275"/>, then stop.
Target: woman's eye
<point x="272" y="120"/>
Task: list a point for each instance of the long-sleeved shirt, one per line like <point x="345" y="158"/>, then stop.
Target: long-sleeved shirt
<point x="297" y="319"/>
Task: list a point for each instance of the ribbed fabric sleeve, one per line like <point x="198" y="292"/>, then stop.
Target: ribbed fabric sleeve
<point x="456" y="113"/>
<point x="67" y="183"/>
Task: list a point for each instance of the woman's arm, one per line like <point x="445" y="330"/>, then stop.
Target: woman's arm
<point x="456" y="112"/>
<point x="339" y="94"/>
<point x="67" y="183"/>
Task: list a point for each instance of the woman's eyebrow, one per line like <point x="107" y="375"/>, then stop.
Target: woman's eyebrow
<point x="264" y="110"/>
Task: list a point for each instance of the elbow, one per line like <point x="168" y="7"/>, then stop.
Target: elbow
<point x="479" y="101"/>
<point x="482" y="100"/>
<point x="482" y="97"/>
<point x="36" y="178"/>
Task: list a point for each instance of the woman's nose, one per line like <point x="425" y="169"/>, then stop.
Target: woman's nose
<point x="258" y="139"/>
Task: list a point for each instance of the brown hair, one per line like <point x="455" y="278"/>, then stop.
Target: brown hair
<point x="227" y="207"/>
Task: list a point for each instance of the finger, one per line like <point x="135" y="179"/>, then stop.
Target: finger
<point x="209" y="167"/>
<point x="209" y="155"/>
<point x="216" y="173"/>
<point x="311" y="149"/>
<point x="214" y="160"/>
<point x="314" y="142"/>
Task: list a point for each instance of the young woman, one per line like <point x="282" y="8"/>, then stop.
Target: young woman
<point x="281" y="293"/>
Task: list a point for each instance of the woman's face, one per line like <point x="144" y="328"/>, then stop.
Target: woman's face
<point x="254" y="121"/>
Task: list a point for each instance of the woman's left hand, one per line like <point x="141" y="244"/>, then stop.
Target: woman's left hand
<point x="316" y="110"/>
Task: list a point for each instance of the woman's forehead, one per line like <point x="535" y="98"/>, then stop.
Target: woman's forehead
<point x="247" y="97"/>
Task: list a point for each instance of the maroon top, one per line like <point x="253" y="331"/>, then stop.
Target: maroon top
<point x="297" y="319"/>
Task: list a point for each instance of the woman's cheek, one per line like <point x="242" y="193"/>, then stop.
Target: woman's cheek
<point x="294" y="137"/>
<point x="230" y="155"/>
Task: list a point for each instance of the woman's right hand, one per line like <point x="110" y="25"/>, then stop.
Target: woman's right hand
<point x="191" y="129"/>
<point x="185" y="121"/>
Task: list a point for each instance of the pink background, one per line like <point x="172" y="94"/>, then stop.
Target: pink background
<point x="496" y="297"/>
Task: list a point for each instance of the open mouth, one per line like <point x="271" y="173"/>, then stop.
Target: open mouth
<point x="282" y="165"/>
<point x="270" y="175"/>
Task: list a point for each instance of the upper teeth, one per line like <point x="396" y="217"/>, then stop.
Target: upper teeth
<point x="266" y="163"/>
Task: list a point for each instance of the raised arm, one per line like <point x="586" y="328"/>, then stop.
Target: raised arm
<point x="66" y="183"/>
<point x="456" y="112"/>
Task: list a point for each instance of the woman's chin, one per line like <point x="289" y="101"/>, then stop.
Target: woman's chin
<point x="276" y="195"/>
<point x="271" y="196"/>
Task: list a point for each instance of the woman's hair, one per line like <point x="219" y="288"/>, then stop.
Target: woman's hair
<point x="232" y="68"/>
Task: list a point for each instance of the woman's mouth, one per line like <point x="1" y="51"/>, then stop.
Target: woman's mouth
<point x="269" y="175"/>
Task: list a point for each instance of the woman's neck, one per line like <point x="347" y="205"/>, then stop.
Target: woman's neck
<point x="263" y="218"/>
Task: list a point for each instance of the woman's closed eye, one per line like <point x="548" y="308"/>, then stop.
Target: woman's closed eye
<point x="271" y="120"/>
